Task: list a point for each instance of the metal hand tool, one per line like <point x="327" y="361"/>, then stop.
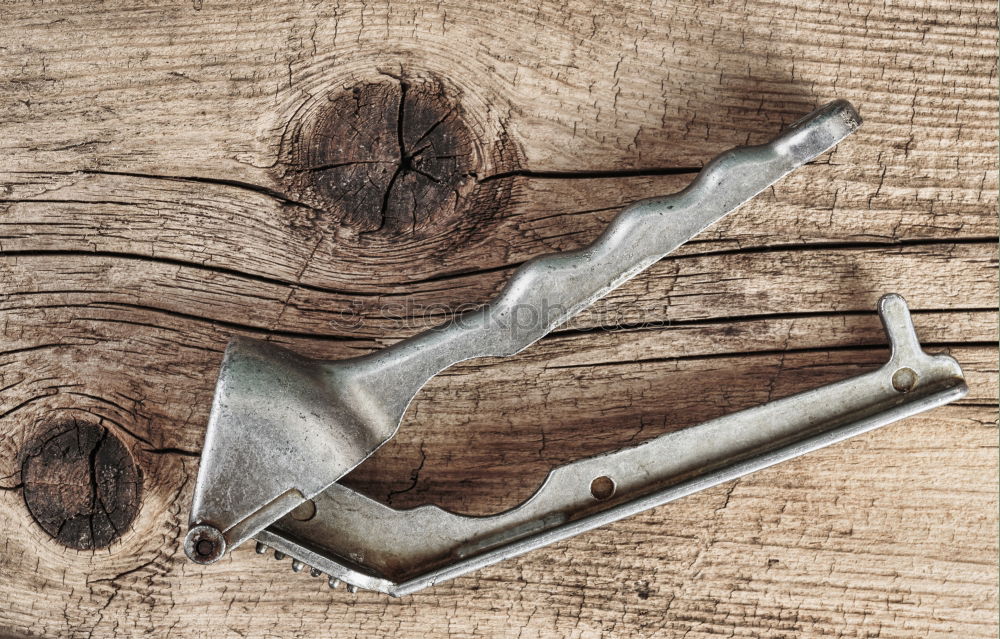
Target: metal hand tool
<point x="283" y="428"/>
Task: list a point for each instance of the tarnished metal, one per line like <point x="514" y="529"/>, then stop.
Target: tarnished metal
<point x="366" y="544"/>
<point x="283" y="428"/>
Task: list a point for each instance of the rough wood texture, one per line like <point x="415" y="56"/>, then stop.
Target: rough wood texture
<point x="172" y="174"/>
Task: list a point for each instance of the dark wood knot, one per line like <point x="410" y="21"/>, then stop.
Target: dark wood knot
<point x="390" y="156"/>
<point x="81" y="485"/>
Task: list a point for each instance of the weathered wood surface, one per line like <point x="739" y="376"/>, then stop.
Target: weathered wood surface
<point x="156" y="198"/>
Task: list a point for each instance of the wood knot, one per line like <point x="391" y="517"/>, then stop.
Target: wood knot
<point x="81" y="485"/>
<point x="391" y="156"/>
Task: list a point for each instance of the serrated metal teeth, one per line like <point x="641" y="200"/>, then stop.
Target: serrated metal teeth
<point x="298" y="566"/>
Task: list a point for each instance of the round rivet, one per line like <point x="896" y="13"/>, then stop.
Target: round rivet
<point x="204" y="544"/>
<point x="602" y="487"/>
<point x="904" y="379"/>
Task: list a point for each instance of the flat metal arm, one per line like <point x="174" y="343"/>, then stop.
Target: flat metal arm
<point x="369" y="545"/>
<point x="285" y="427"/>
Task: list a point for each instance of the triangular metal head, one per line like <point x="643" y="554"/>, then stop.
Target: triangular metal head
<point x="282" y="428"/>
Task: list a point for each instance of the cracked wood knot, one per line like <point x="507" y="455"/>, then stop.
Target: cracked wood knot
<point x="81" y="485"/>
<point x="390" y="156"/>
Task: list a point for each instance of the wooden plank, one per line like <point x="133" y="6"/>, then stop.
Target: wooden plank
<point x="162" y="188"/>
<point x="578" y="87"/>
<point x="587" y="392"/>
<point x="931" y="276"/>
<point x="228" y="227"/>
<point x="843" y="541"/>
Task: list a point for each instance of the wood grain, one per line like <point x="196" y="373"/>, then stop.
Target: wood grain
<point x="152" y="205"/>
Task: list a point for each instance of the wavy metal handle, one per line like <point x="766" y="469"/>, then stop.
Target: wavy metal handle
<point x="548" y="290"/>
<point x="283" y="427"/>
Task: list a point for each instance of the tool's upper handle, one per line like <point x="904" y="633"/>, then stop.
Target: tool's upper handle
<point x="548" y="290"/>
